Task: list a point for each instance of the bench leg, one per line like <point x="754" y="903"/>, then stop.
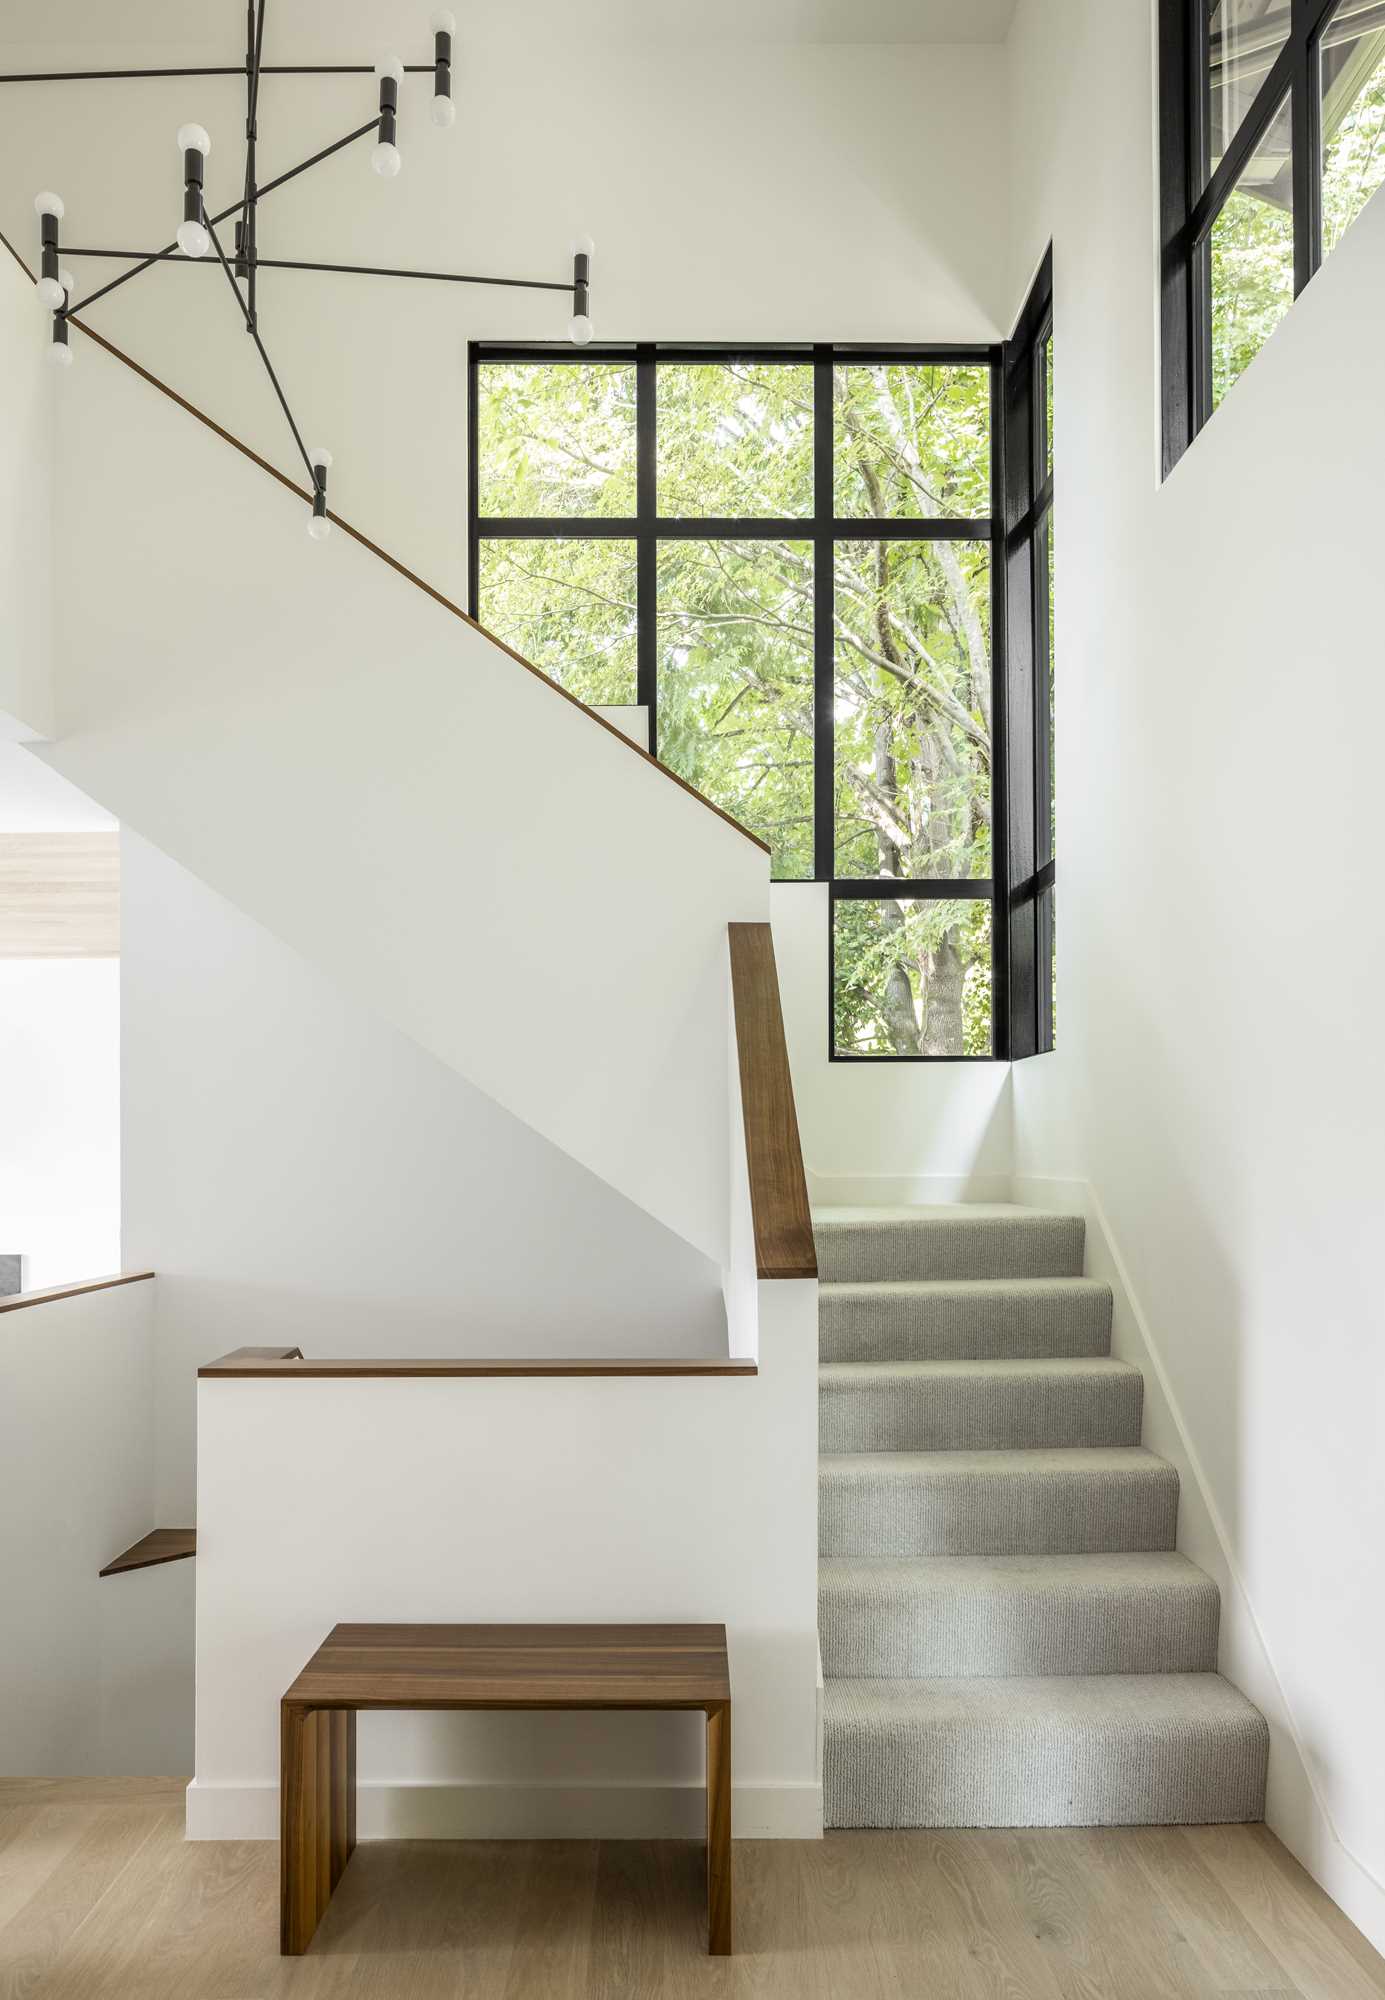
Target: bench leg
<point x="719" y="1830"/>
<point x="317" y="1816"/>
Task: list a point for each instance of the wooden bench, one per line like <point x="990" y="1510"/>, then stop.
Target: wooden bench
<point x="478" y="1667"/>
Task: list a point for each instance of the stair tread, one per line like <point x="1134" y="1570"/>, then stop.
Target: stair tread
<point x="876" y="1288"/>
<point x="1155" y="1700"/>
<point x="1017" y="1462"/>
<point x="1018" y="1575"/>
<point x="936" y="1212"/>
<point x="862" y="1374"/>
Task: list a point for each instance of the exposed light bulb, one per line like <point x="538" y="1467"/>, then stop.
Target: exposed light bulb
<point x="60" y="354"/>
<point x="49" y="204"/>
<point x="443" y="22"/>
<point x="390" y="66"/>
<point x="50" y="294"/>
<point x="193" y="239"/>
<point x="444" y="111"/>
<point x="194" y="139"/>
<point x="68" y="283"/>
<point x="386" y="161"/>
<point x="582" y="246"/>
<point x="319" y="527"/>
<point x="580" y="329"/>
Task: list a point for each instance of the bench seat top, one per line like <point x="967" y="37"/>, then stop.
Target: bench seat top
<point x="516" y="1666"/>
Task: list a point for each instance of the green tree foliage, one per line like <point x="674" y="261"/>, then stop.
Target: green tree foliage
<point x="735" y="630"/>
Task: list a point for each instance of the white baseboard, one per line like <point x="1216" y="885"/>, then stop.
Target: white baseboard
<point x="905" y="1190"/>
<point x="1295" y="1809"/>
<point x="391" y="1811"/>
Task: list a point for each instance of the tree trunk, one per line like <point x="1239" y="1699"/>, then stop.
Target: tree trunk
<point x="942" y="1020"/>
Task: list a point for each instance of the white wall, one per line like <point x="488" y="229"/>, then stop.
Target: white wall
<point x="1219" y="709"/>
<point x="59" y="1070"/>
<point x="299" y="1172"/>
<point x="464" y="850"/>
<point x="26" y="424"/>
<point x="95" y="1673"/>
<point x="585" y="1500"/>
<point x="736" y="190"/>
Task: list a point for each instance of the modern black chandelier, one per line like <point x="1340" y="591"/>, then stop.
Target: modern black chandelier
<point x="197" y="232"/>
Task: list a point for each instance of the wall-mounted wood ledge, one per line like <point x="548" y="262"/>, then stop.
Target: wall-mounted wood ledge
<point x="72" y="1291"/>
<point x="784" y="1246"/>
<point x="281" y="1365"/>
<point x="163" y="1545"/>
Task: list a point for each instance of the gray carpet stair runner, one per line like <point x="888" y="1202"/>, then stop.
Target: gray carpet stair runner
<point x="1008" y="1636"/>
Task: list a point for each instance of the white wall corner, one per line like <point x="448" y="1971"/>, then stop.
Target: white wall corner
<point x="1295" y="1809"/>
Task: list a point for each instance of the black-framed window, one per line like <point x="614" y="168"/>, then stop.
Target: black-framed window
<point x="790" y="558"/>
<point x="1272" y="140"/>
<point x="1030" y="564"/>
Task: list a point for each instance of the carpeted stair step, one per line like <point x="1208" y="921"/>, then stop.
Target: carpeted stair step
<point x="977" y="1405"/>
<point x="993" y="1319"/>
<point x="949" y="1616"/>
<point x="1085" y="1750"/>
<point x="970" y="1240"/>
<point x="926" y="1503"/>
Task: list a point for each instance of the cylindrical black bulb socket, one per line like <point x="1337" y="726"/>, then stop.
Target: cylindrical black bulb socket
<point x="442" y="64"/>
<point x="48" y="237"/>
<point x="389" y="107"/>
<point x="193" y="169"/>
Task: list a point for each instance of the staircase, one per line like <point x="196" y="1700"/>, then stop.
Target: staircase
<point x="1008" y="1636"/>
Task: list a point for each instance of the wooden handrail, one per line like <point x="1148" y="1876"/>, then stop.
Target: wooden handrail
<point x="20" y="1299"/>
<point x="783" y="1222"/>
<point x="228" y="437"/>
<point x="284" y="1365"/>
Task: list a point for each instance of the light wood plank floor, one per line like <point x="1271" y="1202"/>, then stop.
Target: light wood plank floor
<point x="102" y="1899"/>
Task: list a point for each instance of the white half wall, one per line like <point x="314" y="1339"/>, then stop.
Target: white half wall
<point x="1217" y="1082"/>
<point x="95" y="1673"/>
<point x="300" y="1173"/>
<point x="550" y="1499"/>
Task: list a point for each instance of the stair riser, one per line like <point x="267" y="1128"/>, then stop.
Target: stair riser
<point x="876" y="1323"/>
<point x="977" y="1413"/>
<point x="1032" y="1246"/>
<point x="916" y="1635"/>
<point x="965" y="1774"/>
<point x="968" y="1516"/>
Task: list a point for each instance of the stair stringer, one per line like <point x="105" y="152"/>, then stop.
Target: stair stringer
<point x="391" y="794"/>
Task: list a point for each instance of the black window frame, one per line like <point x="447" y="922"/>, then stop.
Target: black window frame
<point x="1028" y="505"/>
<point x="1191" y="199"/>
<point x="823" y="528"/>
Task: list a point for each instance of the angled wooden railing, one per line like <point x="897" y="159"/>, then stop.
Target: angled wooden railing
<point x="18" y="1300"/>
<point x="783" y="1222"/>
<point x="393" y="562"/>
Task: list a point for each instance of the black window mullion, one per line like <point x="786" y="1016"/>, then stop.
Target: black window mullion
<point x="646" y="543"/>
<point x="1271" y="94"/>
<point x="473" y="485"/>
<point x="824" y="633"/>
<point x="1306" y="128"/>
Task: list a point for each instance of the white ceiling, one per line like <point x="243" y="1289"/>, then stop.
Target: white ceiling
<point x="353" y="30"/>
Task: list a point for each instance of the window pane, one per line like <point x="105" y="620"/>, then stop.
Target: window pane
<point x="568" y="607"/>
<point x="1048" y="406"/>
<point x="913" y="709"/>
<point x="1243" y="39"/>
<point x="735" y="626"/>
<point x="735" y="438"/>
<point x="911" y="978"/>
<point x="1353" y="116"/>
<point x="556" y="438"/>
<point x="912" y="440"/>
<point x="1252" y="261"/>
